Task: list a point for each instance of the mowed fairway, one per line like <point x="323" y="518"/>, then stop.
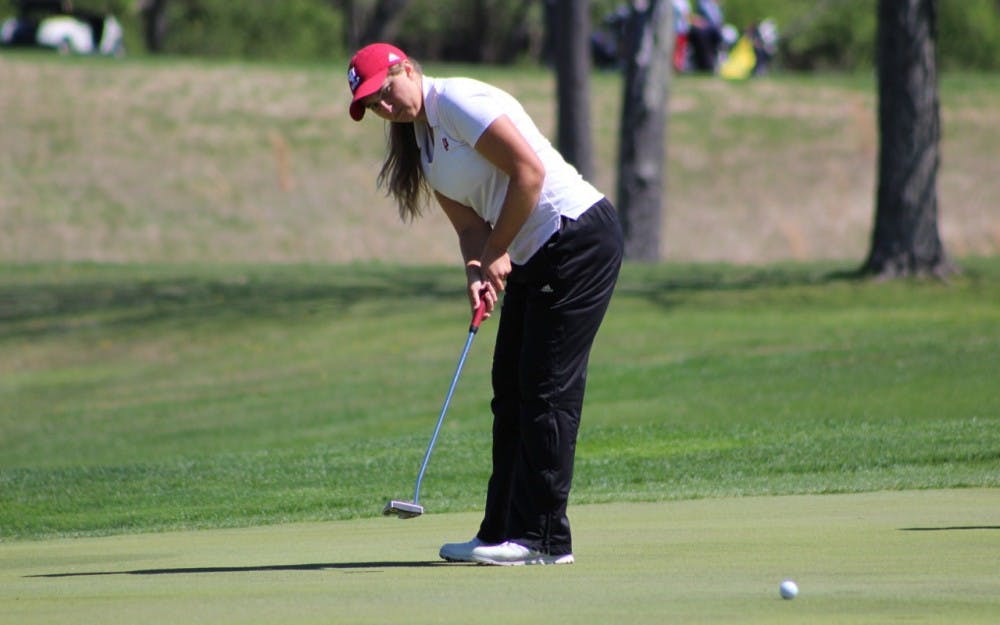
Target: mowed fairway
<point x="911" y="557"/>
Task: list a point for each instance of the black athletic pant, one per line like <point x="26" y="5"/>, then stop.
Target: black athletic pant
<point x="552" y="308"/>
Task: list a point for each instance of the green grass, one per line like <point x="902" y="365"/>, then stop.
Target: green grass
<point x="140" y="398"/>
<point x="902" y="557"/>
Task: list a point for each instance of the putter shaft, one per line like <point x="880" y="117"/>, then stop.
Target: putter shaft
<point x="408" y="509"/>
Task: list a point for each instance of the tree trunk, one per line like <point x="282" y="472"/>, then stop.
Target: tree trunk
<point x="649" y="42"/>
<point x="352" y="25"/>
<point x="154" y="24"/>
<point x="573" y="84"/>
<point x="383" y="20"/>
<point x="364" y="24"/>
<point x="905" y="239"/>
<point x="550" y="17"/>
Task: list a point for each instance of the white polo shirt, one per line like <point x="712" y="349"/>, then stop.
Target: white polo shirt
<point x="459" y="110"/>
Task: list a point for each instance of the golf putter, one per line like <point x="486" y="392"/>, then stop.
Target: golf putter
<point x="410" y="509"/>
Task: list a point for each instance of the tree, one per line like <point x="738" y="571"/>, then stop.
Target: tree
<point x="572" y="55"/>
<point x="365" y="22"/>
<point x="905" y="239"/>
<point x="154" y="23"/>
<point x="649" y="42"/>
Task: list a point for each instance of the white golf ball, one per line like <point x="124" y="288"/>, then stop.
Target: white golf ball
<point x="788" y="589"/>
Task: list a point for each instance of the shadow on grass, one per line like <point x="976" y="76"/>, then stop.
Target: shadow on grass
<point x="123" y="296"/>
<point x="52" y="299"/>
<point x="371" y="567"/>
<point x="667" y="289"/>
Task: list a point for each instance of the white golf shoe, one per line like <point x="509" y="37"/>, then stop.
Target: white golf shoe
<point x="459" y="552"/>
<point x="512" y="554"/>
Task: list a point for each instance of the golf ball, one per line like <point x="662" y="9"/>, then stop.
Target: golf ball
<point x="788" y="589"/>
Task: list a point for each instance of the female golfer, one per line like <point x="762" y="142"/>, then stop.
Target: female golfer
<point x="528" y="225"/>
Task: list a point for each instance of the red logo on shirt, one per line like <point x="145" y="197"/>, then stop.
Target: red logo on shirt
<point x="444" y="142"/>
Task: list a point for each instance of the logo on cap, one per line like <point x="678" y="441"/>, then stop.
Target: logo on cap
<point x="353" y="78"/>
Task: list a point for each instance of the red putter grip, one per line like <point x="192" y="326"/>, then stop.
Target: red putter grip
<point x="478" y="314"/>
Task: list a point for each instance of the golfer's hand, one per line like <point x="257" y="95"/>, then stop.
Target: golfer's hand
<point x="495" y="269"/>
<point x="480" y="291"/>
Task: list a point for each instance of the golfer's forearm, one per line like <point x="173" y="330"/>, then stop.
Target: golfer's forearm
<point x="506" y="148"/>
<point x="471" y="245"/>
<point x="522" y="196"/>
<point x="472" y="230"/>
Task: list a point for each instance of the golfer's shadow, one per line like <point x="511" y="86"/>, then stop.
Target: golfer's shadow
<point x="357" y="567"/>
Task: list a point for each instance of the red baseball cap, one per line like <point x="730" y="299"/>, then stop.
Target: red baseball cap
<point x="368" y="70"/>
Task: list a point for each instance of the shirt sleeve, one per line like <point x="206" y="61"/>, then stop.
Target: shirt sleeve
<point x="467" y="112"/>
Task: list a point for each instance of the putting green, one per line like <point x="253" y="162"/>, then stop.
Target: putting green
<point x="908" y="557"/>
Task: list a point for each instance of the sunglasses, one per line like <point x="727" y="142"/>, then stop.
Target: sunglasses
<point x="376" y="99"/>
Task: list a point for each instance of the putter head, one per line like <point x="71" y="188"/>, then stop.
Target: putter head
<point x="402" y="509"/>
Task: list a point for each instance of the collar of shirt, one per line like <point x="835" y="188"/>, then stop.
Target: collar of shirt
<point x="430" y="100"/>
